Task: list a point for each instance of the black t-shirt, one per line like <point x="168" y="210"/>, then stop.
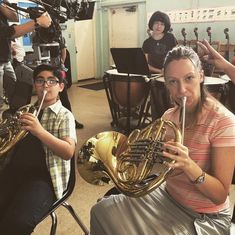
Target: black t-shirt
<point x="157" y="49"/>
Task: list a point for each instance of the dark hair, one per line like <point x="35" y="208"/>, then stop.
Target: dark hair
<point x="184" y="52"/>
<point x="47" y="67"/>
<point x="160" y="16"/>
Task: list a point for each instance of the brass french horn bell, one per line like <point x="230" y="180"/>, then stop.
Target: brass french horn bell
<point x="10" y="128"/>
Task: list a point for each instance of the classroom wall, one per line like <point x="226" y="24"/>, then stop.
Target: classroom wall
<point x="146" y="7"/>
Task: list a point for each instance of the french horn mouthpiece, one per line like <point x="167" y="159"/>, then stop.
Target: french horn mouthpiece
<point x="184" y="99"/>
<point x="40" y="106"/>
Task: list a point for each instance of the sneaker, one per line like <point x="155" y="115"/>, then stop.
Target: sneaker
<point x="78" y="125"/>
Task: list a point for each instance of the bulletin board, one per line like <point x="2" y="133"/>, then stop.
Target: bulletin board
<point x="213" y="14"/>
<point x="203" y="15"/>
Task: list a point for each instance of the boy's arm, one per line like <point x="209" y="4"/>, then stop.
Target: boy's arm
<point x="62" y="147"/>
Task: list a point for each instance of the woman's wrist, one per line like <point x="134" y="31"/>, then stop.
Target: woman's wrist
<point x="194" y="172"/>
<point x="200" y="179"/>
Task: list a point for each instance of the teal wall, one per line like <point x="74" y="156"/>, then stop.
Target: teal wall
<point x="217" y="28"/>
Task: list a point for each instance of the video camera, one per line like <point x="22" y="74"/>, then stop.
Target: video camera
<point x="60" y="11"/>
<point x="74" y="9"/>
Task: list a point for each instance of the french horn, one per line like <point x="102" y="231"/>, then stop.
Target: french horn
<point x="10" y="128"/>
<point x="135" y="163"/>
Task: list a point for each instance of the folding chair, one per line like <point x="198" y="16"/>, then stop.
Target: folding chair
<point x="64" y="203"/>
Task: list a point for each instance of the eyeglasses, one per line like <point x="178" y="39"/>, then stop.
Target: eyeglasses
<point x="49" y="82"/>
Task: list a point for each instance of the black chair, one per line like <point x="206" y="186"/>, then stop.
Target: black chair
<point x="233" y="216"/>
<point x="64" y="203"/>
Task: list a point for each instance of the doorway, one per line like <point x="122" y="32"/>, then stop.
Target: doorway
<point x="123" y="28"/>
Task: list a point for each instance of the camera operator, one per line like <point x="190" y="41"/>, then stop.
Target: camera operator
<point x="10" y="32"/>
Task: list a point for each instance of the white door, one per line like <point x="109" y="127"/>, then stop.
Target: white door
<point x="79" y="36"/>
<point x="84" y="40"/>
<point x="123" y="27"/>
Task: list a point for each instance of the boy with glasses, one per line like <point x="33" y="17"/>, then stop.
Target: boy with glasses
<point x="38" y="172"/>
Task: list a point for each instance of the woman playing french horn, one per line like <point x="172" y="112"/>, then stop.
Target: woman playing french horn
<point x="194" y="199"/>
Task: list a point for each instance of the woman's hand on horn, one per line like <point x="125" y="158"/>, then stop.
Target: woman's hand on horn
<point x="179" y="153"/>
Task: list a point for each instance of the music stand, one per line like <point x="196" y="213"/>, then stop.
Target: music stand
<point x="130" y="61"/>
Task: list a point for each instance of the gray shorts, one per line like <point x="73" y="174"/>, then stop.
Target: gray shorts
<point x="154" y="214"/>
